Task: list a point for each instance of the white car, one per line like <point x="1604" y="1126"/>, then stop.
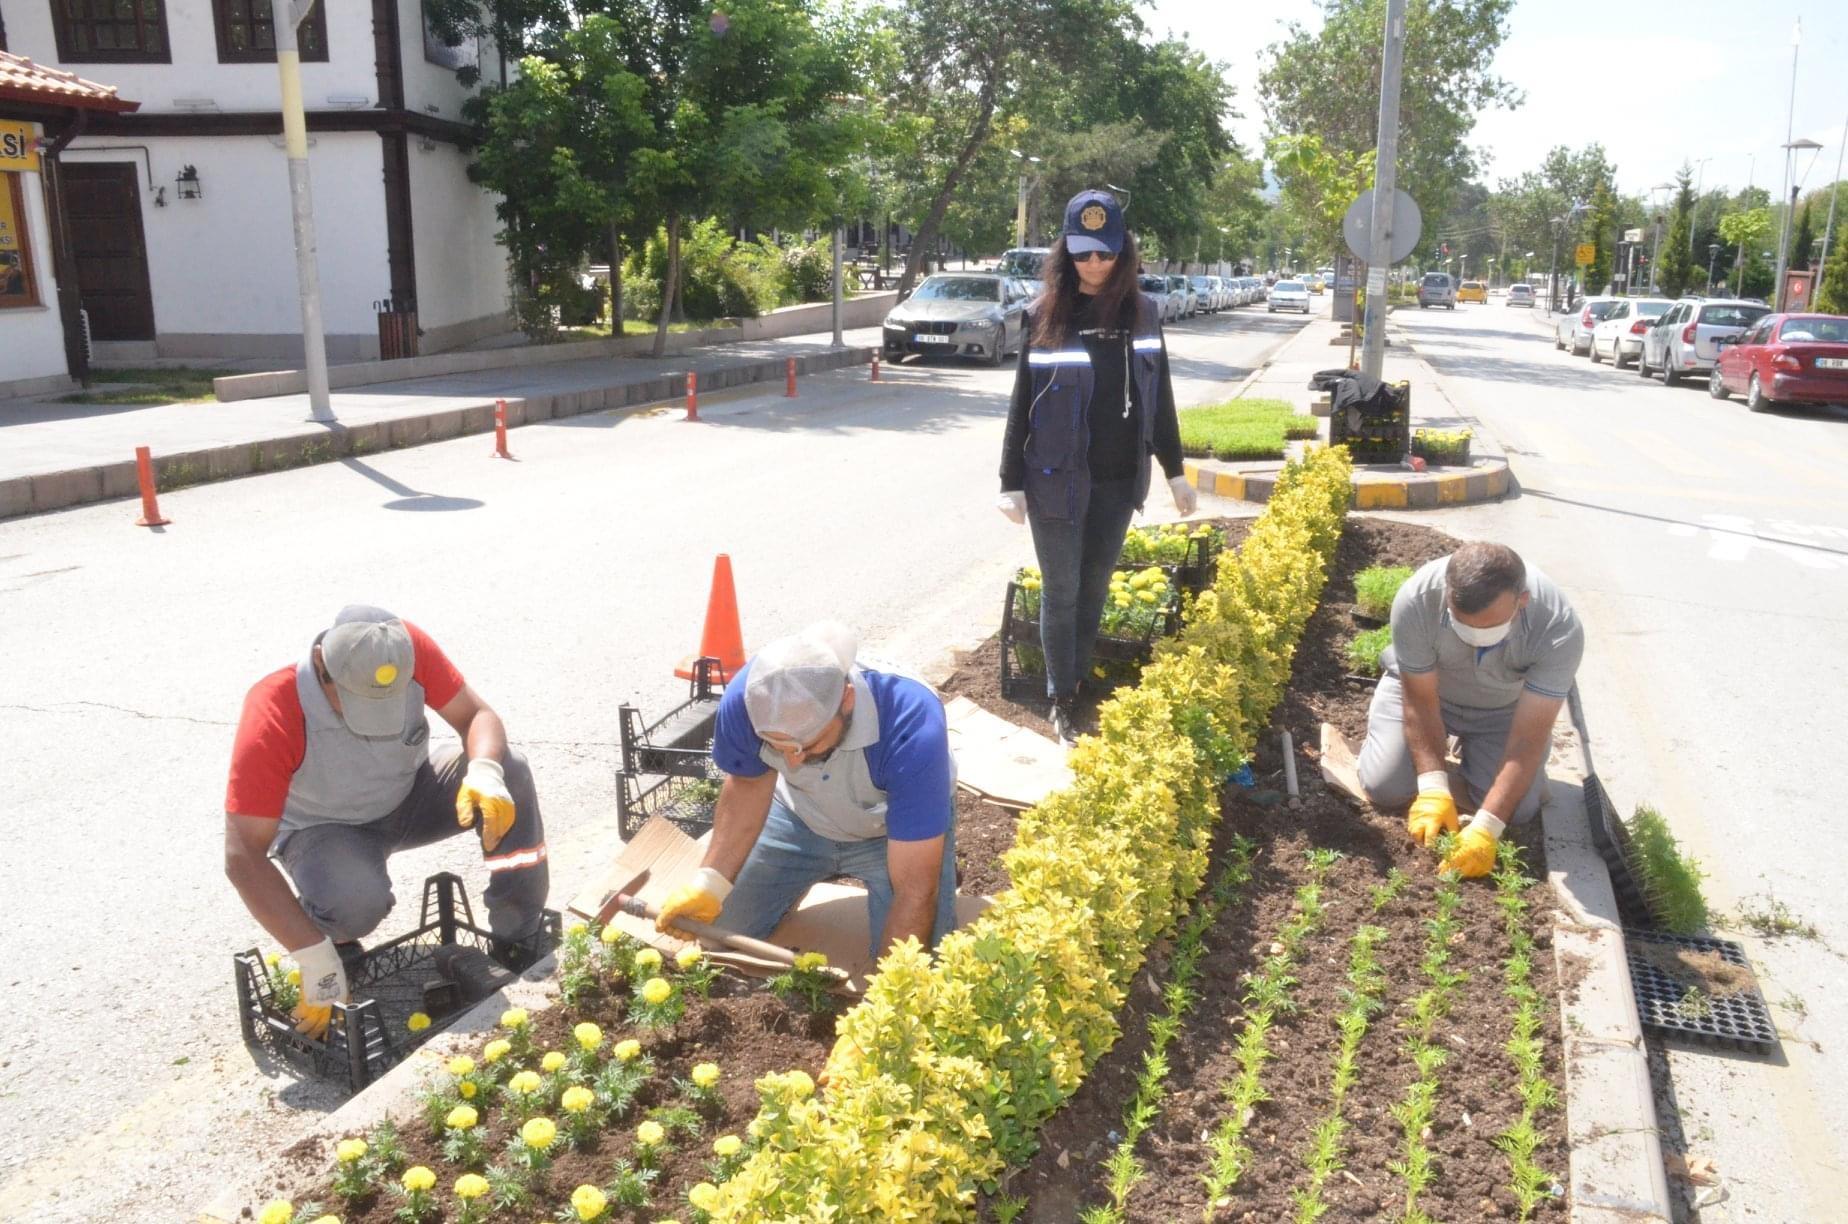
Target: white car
<point x="1520" y="294"/>
<point x="1157" y="288"/>
<point x="1289" y="295"/>
<point x="1573" y="330"/>
<point x="1619" y="334"/>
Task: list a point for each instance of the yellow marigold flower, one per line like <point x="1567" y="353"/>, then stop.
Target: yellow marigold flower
<point x="553" y="1061"/>
<point x="808" y="962"/>
<point x="460" y="1065"/>
<point x="704" y="1196"/>
<point x="577" y="1099"/>
<point x="627" y="1051"/>
<point x="538" y="1134"/>
<point x="496" y="1050"/>
<point x="462" y="1117"/>
<point x="273" y="959"/>
<point x="576" y="928"/>
<point x="588" y="1035"/>
<point x="293" y="977"/>
<point x="588" y="1202"/>
<point x="689" y="956"/>
<point x="727" y="1145"/>
<point x="656" y="991"/>
<point x="418" y="1022"/>
<point x="281" y="1211"/>
<point x="513" y="1018"/>
<point x="471" y="1186"/>
<point x="650" y="1133"/>
<point x="705" y="1075"/>
<point x="349" y="1150"/>
<point x="467" y="1089"/>
<point x="610" y="934"/>
<point x="647" y="960"/>
<point x="418" y="1177"/>
<point x="526" y="1083"/>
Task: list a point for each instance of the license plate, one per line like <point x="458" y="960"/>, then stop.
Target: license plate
<point x="923" y="339"/>
<point x="1832" y="363"/>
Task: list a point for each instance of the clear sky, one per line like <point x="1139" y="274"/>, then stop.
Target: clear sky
<point x="1716" y="85"/>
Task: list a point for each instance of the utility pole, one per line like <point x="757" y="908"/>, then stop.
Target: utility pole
<point x="838" y="291"/>
<point x="1700" y="176"/>
<point x="1828" y="231"/>
<point x="301" y="205"/>
<point x="1790" y="119"/>
<point x="1385" y="183"/>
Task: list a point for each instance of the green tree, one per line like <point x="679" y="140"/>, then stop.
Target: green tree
<point x="1746" y="231"/>
<point x="1805" y="241"/>
<point x="1601" y="222"/>
<point x="1832" y="294"/>
<point x="1317" y="186"/>
<point x="1677" y="269"/>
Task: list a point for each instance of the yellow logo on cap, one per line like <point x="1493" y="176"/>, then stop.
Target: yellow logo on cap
<point x="385" y="675"/>
<point x="1093" y="218"/>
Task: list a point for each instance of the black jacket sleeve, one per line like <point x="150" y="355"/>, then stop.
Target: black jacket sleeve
<point x="1014" y="441"/>
<point x="1167" y="424"/>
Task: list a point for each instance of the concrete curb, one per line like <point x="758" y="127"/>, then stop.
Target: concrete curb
<point x="1383" y="489"/>
<point x="36" y="494"/>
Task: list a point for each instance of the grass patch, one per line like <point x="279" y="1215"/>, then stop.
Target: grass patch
<point x="602" y="331"/>
<point x="1243" y="429"/>
<point x="147" y="386"/>
<point x="1375" y="587"/>
<point x="1671" y="877"/>
<point x="1363" y="653"/>
<point x="1774" y="920"/>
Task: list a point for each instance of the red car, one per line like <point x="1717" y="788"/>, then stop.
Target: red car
<point x="1786" y="359"/>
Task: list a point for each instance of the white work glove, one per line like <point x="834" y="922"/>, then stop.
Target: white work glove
<point x="484" y="787"/>
<point x="323" y="985"/>
<point x="1186" y="500"/>
<point x="1014" y="505"/>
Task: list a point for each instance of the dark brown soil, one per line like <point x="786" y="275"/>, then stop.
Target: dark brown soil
<point x="984" y="832"/>
<point x="745" y="1029"/>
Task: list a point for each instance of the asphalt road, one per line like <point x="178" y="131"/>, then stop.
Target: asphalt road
<point x="1707" y="550"/>
<point x="562" y="584"/>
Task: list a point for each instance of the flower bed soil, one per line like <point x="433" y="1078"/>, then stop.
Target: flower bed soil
<point x="745" y="1029"/>
<point x="1476" y="1097"/>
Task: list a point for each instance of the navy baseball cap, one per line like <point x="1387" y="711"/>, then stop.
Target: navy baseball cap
<point x="1094" y="222"/>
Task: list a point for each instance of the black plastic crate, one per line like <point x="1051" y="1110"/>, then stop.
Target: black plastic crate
<point x="1377" y="429"/>
<point x="686" y="802"/>
<point x="367" y="1037"/>
<point x="1023" y="662"/>
<point x="1194" y="574"/>
<point x="681" y="741"/>
<point x="1672" y="1007"/>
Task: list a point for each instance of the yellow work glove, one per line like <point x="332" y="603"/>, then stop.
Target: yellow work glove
<point x="841" y="1060"/>
<point x="1434" y="812"/>
<point x="484" y="786"/>
<point x="1474" y="852"/>
<point x="700" y="899"/>
<point x="323" y="985"/>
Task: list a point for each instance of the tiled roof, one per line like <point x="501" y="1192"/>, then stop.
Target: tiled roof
<point x="21" y="80"/>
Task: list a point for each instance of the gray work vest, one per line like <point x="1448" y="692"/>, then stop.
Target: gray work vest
<point x="1058" y="448"/>
<point x="346" y="778"/>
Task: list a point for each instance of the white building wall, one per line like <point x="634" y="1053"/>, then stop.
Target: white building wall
<point x="32" y="337"/>
<point x="433" y="89"/>
<point x="461" y="269"/>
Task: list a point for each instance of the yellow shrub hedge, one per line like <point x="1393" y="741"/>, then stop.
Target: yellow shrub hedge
<point x="947" y="1068"/>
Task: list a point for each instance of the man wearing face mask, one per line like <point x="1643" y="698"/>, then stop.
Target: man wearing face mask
<point x="1485" y="648"/>
<point x="831" y="769"/>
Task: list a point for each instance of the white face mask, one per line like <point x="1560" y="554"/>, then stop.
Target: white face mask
<point x="1479" y="637"/>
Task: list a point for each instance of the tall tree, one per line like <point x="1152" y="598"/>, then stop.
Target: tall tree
<point x="1805" y="240"/>
<point x="1601" y="222"/>
<point x="1677" y="268"/>
<point x="1746" y="230"/>
<point x="1832" y="294"/>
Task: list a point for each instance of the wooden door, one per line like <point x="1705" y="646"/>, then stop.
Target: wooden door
<point x="103" y="207"/>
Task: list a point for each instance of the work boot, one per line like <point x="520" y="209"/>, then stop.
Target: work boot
<point x="1064" y="718"/>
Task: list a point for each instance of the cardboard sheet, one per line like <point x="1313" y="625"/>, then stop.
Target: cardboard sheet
<point x="1004" y="764"/>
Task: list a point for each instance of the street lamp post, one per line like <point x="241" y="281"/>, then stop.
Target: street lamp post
<point x="1795" y="187"/>
<point x="1020" y="207"/>
<point x="1700" y="175"/>
<point x="1655" y="251"/>
<point x="1713" y="253"/>
<point x="301" y="204"/>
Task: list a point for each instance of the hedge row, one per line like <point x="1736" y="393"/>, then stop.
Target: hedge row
<point x="947" y="1068"/>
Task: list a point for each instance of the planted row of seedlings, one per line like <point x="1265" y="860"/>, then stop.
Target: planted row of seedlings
<point x="1424" y="1049"/>
<point x="1530" y="1183"/>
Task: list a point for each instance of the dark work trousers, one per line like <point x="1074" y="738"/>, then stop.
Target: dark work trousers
<point x="339" y="869"/>
<point x="1076" y="558"/>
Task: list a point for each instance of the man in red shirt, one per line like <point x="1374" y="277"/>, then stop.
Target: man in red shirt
<point x="332" y="773"/>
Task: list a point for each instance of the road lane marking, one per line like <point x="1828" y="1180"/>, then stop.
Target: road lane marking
<point x="1733" y="539"/>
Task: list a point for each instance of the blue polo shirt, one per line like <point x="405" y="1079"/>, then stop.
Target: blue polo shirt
<point x="891" y="775"/>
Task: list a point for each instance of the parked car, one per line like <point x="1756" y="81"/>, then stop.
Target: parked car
<point x="1289" y="295"/>
<point x="1786" y="359"/>
<point x="1206" y="289"/>
<point x="1315" y="283"/>
<point x="1619" y="334"/>
<point x="1437" y="289"/>
<point x="1573" y="330"/>
<point x="1259" y="289"/>
<point x="1688" y="338"/>
<point x="1184" y="293"/>
<point x="1157" y="288"/>
<point x="1473" y="291"/>
<point x="1520" y="294"/>
<point x="966" y="314"/>
<point x="1028" y="262"/>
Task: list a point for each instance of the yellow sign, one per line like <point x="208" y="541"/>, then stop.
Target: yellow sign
<point x="1585" y="254"/>
<point x="18" y="146"/>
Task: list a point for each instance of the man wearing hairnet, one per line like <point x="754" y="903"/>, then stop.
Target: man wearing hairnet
<point x="831" y="769"/>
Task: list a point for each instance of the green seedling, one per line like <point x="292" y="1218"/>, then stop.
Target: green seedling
<point x="1670" y="876"/>
<point x="1375" y="587"/>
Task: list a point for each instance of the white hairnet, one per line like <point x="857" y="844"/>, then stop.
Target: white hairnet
<point x="796" y="682"/>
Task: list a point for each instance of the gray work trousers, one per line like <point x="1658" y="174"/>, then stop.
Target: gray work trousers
<point x="1386" y="769"/>
<point x="339" y="869"/>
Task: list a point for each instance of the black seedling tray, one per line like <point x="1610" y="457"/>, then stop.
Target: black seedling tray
<point x="1192" y="575"/>
<point x="1739" y="1021"/>
<point x="677" y="797"/>
<point x="1022" y="680"/>
<point x="1612" y="840"/>
<point x="681" y="741"/>
<point x="368" y="1037"/>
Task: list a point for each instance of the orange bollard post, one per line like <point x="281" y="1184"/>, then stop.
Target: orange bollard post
<point x="721" y="637"/>
<point x="692" y="395"/>
<point x="875" y="365"/>
<point x="144" y="473"/>
<point x="500" y="430"/>
<point x="790" y="369"/>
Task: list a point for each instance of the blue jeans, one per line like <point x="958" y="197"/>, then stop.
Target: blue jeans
<point x="789" y="858"/>
<point x="1076" y="559"/>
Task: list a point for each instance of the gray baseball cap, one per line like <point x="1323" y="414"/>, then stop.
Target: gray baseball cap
<point x="368" y="653"/>
<point x="796" y="682"/>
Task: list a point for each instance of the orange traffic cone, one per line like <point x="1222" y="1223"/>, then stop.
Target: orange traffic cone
<point x="721" y="638"/>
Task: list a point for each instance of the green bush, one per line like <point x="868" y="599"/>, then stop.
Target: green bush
<point x="1363" y="653"/>
<point x="720" y="278"/>
<point x="1375" y="586"/>
<point x="1243" y="429"/>
<point x="1670" y="877"/>
<point x="808" y="271"/>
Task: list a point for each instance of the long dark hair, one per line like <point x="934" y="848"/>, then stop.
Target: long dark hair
<point x="1058" y="301"/>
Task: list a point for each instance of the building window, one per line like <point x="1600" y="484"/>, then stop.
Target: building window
<point x="247" y="32"/>
<point x="16" y="287"/>
<point x="111" y="31"/>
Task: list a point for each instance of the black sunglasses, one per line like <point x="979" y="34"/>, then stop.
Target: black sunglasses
<point x="1088" y="256"/>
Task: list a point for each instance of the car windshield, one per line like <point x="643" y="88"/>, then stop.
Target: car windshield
<point x="1201" y="282"/>
<point x="1437" y="280"/>
<point x="1599" y="310"/>
<point x="1652" y="310"/>
<point x="1825" y="331"/>
<point x="1520" y="290"/>
<point x="1154" y="284"/>
<point x="1731" y="316"/>
<point x="1288" y="286"/>
<point x="1472" y="284"/>
<point x="960" y="289"/>
<point x="1023" y="263"/>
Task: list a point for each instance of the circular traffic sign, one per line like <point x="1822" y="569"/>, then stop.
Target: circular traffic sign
<point x="1407" y="225"/>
